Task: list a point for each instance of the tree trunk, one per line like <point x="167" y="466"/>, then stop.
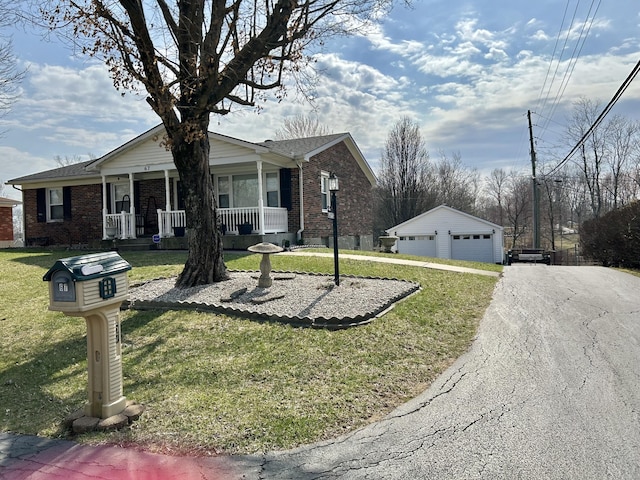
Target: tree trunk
<point x="205" y="262"/>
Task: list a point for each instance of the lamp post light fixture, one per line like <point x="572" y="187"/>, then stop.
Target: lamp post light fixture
<point x="333" y="215"/>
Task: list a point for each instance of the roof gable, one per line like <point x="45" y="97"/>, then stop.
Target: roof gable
<point x="438" y="213"/>
<point x="142" y="152"/>
<point x="306" y="148"/>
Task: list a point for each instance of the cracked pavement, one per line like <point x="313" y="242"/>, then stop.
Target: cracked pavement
<point x="550" y="389"/>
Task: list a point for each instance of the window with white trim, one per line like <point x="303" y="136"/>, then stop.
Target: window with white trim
<point x="55" y="205"/>
<point x="272" y="189"/>
<point x="120" y="197"/>
<point x="223" y="192"/>
<point x="324" y="190"/>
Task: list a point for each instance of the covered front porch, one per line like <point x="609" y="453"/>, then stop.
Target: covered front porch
<point x="234" y="221"/>
<point x="142" y="195"/>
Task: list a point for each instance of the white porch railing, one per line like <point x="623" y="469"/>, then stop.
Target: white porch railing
<point x="234" y="220"/>
<point x="167" y="221"/>
<point x="120" y="225"/>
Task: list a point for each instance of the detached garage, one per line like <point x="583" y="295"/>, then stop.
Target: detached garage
<point x="445" y="232"/>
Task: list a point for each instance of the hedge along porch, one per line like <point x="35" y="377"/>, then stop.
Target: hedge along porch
<point x="269" y="191"/>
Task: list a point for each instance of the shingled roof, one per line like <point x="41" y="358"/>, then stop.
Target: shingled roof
<point x="294" y="148"/>
<point x="300" y="147"/>
<point x="68" y="171"/>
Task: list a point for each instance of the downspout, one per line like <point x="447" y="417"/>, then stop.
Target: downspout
<point x="301" y="188"/>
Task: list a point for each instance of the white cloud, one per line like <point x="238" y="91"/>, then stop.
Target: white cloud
<point x="17" y="163"/>
<point x="55" y="94"/>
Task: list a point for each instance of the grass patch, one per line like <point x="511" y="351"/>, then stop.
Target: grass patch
<point x="224" y="384"/>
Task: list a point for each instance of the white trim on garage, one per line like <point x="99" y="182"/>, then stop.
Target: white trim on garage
<point x="479" y="240"/>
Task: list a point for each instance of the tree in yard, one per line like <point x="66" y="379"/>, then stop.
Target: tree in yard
<point x="195" y="58"/>
<point x="403" y="180"/>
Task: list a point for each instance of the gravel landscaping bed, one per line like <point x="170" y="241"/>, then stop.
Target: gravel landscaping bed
<point x="295" y="298"/>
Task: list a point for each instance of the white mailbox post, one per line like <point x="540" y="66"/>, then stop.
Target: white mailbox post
<point x="94" y="286"/>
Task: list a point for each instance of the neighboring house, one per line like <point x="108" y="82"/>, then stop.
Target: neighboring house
<point x="445" y="232"/>
<point x="6" y="221"/>
<point x="272" y="191"/>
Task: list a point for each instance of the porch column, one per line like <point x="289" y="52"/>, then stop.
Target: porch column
<point x="260" y="201"/>
<point x="104" y="207"/>
<point x="132" y="209"/>
<point x="167" y="195"/>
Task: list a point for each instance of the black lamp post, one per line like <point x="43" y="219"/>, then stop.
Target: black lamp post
<point x="333" y="214"/>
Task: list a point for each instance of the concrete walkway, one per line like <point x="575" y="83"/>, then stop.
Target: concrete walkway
<point x="27" y="457"/>
<point x="397" y="261"/>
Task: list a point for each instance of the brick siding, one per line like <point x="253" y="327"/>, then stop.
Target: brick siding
<point x="354" y="199"/>
<point x="85" y="224"/>
<point x="6" y="224"/>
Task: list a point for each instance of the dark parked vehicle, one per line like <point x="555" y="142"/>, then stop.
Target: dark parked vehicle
<point x="530" y="255"/>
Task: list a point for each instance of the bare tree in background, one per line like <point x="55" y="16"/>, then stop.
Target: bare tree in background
<point x="10" y="76"/>
<point x="622" y="144"/>
<point x="403" y="180"/>
<point x="495" y="191"/>
<point x="66" y="161"/>
<point x="195" y="58"/>
<point x="301" y="126"/>
<point x="454" y="184"/>
<point x="591" y="157"/>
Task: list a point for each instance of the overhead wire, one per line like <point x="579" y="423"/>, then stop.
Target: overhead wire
<point x="574" y="58"/>
<point x="542" y="96"/>
<point x="600" y="118"/>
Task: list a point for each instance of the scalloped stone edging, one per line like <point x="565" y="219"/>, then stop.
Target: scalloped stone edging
<point x="317" y="321"/>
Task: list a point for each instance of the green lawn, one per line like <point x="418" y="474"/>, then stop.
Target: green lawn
<point x="215" y="383"/>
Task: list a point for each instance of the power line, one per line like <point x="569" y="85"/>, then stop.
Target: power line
<point x="601" y="117"/>
<point x="574" y="58"/>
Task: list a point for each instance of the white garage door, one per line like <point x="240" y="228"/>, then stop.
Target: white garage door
<point x="423" y="245"/>
<point x="477" y="248"/>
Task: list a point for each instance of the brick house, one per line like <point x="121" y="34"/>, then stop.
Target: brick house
<point x="6" y="221"/>
<point x="274" y="191"/>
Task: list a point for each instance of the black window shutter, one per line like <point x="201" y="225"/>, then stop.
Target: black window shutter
<point x="66" y="203"/>
<point x="109" y="198"/>
<point x="285" y="188"/>
<point x="41" y="204"/>
<point x="136" y="196"/>
<point x="180" y="196"/>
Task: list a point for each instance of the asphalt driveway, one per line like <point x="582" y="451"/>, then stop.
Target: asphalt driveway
<point x="549" y="390"/>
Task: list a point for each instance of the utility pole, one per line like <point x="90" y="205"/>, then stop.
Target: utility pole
<point x="536" y="200"/>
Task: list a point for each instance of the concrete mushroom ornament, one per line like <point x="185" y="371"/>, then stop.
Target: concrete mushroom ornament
<point x="266" y="249"/>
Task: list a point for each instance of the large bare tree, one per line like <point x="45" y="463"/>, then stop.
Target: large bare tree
<point x="403" y="180"/>
<point x="198" y="57"/>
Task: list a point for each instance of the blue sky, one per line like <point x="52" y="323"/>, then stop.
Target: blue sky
<point x="466" y="72"/>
